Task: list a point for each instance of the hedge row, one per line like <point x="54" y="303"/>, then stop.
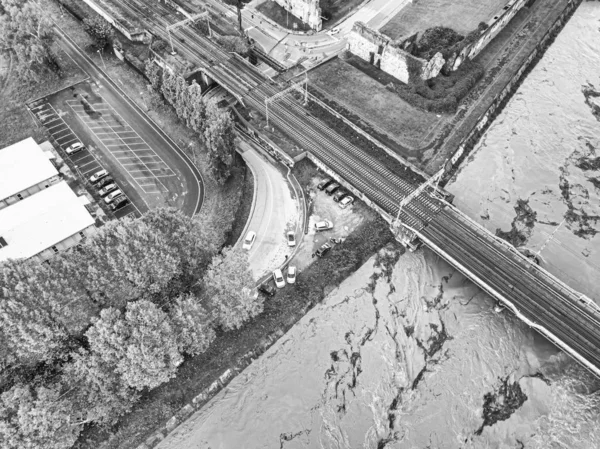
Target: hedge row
<point x="443" y="93"/>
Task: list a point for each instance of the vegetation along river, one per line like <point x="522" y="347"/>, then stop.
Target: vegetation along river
<point x="407" y="353"/>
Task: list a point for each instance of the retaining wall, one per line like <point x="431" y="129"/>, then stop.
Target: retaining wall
<point x="502" y="98"/>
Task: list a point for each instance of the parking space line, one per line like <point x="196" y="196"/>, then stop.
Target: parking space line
<point x="122" y="151"/>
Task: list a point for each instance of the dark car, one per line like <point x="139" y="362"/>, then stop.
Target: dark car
<point x="324" y="184"/>
<point x="340" y="194"/>
<point x="324" y="249"/>
<point x="104" y="182"/>
<point x="332" y="188"/>
<point x="119" y="202"/>
<point x="267" y="288"/>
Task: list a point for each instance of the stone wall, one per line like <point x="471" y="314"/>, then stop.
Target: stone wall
<point x="495" y="25"/>
<point x="390" y="56"/>
<point x="309" y="11"/>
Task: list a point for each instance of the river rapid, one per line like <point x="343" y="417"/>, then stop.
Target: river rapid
<point x="407" y="353"/>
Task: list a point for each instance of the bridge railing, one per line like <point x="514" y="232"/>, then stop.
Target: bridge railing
<point x="521" y="258"/>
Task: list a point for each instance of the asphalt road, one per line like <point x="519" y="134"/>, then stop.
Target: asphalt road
<point x="192" y="187"/>
<point x="274" y="213"/>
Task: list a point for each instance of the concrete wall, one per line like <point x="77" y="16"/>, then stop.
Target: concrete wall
<point x="65" y="244"/>
<point x="29" y="191"/>
<point x="131" y="34"/>
<point x="389" y="56"/>
<point x="309" y="11"/>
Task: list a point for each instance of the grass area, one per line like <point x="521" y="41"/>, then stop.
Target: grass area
<point x="281" y="312"/>
<point x="245" y="204"/>
<point x="281" y="16"/>
<point x="462" y="16"/>
<point x="372" y="104"/>
<point x="360" y="141"/>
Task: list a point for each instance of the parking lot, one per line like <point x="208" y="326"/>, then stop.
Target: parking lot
<point x="133" y="154"/>
<point x="85" y="162"/>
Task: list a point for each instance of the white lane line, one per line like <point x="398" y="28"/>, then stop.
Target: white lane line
<point x="87" y="163"/>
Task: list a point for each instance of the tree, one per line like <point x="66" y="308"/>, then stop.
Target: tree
<point x="100" y="30"/>
<point x="193" y="325"/>
<point x="235" y="44"/>
<point x="32" y="418"/>
<point x="154" y="73"/>
<point x="229" y="285"/>
<point x="219" y="136"/>
<point x="41" y="306"/>
<point x="142" y="345"/>
<point x="26" y="33"/>
<point x="157" y="255"/>
<point x="97" y="390"/>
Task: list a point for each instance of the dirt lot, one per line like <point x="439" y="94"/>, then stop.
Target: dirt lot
<point x="345" y="221"/>
<point x="462" y="16"/>
<point x="369" y="100"/>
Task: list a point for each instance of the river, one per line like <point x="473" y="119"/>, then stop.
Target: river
<point x="417" y="356"/>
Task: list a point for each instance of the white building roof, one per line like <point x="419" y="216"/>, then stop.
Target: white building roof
<point x="41" y="221"/>
<point x="23" y="165"/>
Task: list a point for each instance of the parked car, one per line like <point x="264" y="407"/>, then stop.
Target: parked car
<point x="278" y="278"/>
<point x="346" y="201"/>
<point x="267" y="288"/>
<point x="324" y="249"/>
<point x="291" y="275"/>
<point x="324" y="184"/>
<point x="332" y="188"/>
<point x="249" y="240"/>
<point x="341" y="193"/>
<point x="104" y="182"/>
<point x="291" y="238"/>
<point x="112" y="195"/>
<point x="323" y="225"/>
<point x="74" y="148"/>
<point x="119" y="202"/>
<point x="333" y="31"/>
<point x="98" y="176"/>
<point x="107" y="189"/>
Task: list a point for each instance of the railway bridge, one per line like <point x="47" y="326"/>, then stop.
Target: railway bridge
<point x="567" y="318"/>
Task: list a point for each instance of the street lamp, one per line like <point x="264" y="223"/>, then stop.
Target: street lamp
<point x="102" y="59"/>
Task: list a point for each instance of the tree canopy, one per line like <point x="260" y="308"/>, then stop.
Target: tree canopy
<point x="26" y="33"/>
<point x="100" y="30"/>
<point x="229" y="289"/>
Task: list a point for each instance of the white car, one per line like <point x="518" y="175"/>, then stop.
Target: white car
<point x="323" y="225"/>
<point x="333" y="31"/>
<point x="98" y="176"/>
<point x="249" y="240"/>
<point x="74" y="148"/>
<point x="107" y="189"/>
<point x="291" y="275"/>
<point x="111" y="196"/>
<point x="291" y="238"/>
<point x="347" y="201"/>
<point x="278" y="278"/>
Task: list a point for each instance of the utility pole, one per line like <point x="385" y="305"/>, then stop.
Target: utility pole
<point x="239" y="11"/>
<point x="102" y="59"/>
<point x="550" y="237"/>
<point x="278" y="95"/>
<point x="433" y="181"/>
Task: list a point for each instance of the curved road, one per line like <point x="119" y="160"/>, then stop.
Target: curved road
<point x="162" y="144"/>
<point x="274" y="213"/>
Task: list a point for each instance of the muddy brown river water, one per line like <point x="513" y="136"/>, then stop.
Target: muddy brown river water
<point x="417" y="356"/>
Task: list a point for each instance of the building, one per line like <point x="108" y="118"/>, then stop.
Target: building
<point x="25" y="169"/>
<point x="41" y="225"/>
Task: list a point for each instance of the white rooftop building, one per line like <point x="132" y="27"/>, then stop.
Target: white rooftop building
<point x="43" y="224"/>
<point x="24" y="170"/>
